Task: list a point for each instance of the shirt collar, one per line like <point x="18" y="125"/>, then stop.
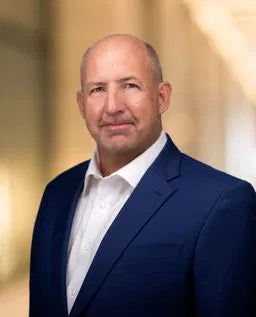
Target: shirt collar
<point x="133" y="171"/>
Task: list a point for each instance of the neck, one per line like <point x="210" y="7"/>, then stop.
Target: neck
<point x="110" y="162"/>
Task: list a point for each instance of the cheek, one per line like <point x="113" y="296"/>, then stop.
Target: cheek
<point x="92" y="112"/>
<point x="145" y="111"/>
<point x="133" y="98"/>
<point x="91" y="119"/>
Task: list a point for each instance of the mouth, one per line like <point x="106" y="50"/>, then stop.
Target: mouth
<point x="118" y="126"/>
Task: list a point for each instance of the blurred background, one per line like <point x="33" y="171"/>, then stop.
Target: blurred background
<point x="208" y="52"/>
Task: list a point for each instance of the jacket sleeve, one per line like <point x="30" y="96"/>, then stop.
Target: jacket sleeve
<point x="35" y="293"/>
<point x="224" y="265"/>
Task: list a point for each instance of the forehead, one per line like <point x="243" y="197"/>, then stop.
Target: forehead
<point x="117" y="58"/>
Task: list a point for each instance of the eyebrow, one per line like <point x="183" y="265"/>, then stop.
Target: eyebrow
<point x="120" y="80"/>
<point x="98" y="83"/>
<point x="127" y="79"/>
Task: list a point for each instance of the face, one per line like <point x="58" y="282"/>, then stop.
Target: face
<point x="120" y="101"/>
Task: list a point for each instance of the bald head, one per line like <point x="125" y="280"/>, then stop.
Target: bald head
<point x="130" y="40"/>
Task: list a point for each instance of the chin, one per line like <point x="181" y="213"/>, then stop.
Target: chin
<point x="120" y="147"/>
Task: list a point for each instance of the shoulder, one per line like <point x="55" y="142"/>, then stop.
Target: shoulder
<point x="73" y="175"/>
<point x="200" y="177"/>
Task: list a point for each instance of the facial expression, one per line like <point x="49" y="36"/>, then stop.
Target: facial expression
<point x="120" y="101"/>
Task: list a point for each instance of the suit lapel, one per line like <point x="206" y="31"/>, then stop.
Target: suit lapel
<point x="150" y="194"/>
<point x="65" y="205"/>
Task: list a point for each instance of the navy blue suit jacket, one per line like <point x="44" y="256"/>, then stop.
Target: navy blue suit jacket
<point x="183" y="245"/>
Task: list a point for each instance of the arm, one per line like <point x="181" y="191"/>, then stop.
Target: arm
<point x="35" y="293"/>
<point x="225" y="256"/>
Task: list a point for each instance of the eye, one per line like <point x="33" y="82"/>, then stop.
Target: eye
<point x="130" y="85"/>
<point x="97" y="89"/>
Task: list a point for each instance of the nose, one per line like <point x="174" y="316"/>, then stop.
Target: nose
<point x="113" y="102"/>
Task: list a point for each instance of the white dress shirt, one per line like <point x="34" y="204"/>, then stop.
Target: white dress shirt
<point x="101" y="200"/>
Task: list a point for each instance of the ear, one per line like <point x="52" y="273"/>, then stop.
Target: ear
<point x="80" y="102"/>
<point x="164" y="95"/>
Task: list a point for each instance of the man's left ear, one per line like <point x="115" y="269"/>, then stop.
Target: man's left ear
<point x="164" y="95"/>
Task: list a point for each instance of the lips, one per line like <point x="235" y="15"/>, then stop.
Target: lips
<point x="117" y="122"/>
<point x="119" y="125"/>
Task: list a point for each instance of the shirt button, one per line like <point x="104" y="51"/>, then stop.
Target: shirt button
<point x="86" y="247"/>
<point x="72" y="292"/>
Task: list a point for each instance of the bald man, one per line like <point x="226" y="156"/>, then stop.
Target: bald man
<point x="141" y="229"/>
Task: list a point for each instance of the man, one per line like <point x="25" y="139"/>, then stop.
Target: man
<point x="142" y="229"/>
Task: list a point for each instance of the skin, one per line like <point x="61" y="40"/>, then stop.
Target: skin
<point x="121" y="101"/>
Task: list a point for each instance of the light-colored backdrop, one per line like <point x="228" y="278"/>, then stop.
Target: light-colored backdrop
<point x="211" y="116"/>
